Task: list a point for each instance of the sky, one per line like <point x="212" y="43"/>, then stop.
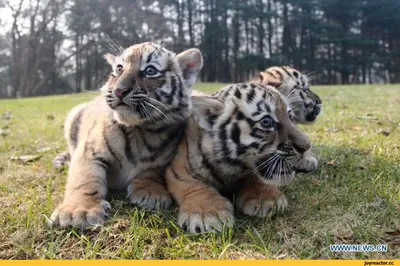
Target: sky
<point x="6" y="13"/>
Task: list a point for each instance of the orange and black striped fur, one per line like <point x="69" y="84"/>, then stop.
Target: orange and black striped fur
<point x="229" y="149"/>
<point x="125" y="138"/>
<point x="305" y="104"/>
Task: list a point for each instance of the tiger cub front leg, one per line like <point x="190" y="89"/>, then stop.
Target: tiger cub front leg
<point x="201" y="207"/>
<point x="83" y="203"/>
<point x="257" y="198"/>
<point x="148" y="190"/>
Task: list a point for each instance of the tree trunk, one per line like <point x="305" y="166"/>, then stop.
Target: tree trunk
<point x="190" y="21"/>
<point x="78" y="66"/>
<point x="270" y="29"/>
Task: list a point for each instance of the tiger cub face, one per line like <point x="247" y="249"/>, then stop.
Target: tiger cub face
<point x="305" y="105"/>
<point x="151" y="85"/>
<point x="251" y="125"/>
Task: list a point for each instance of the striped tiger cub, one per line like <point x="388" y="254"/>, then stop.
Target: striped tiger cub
<point x="125" y="138"/>
<point x="305" y="104"/>
<point x="230" y="148"/>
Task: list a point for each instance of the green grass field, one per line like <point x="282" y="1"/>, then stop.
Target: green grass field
<point x="354" y="198"/>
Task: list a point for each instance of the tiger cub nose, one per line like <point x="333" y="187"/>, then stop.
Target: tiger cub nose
<point x="122" y="92"/>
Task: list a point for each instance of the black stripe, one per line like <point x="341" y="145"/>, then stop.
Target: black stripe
<point x="254" y="145"/>
<point x="173" y="137"/>
<point x="287" y="72"/>
<point x="223" y="136"/>
<point x="296" y="74"/>
<point x="301" y="95"/>
<point x="251" y="95"/>
<point x="316" y="98"/>
<point x="207" y="164"/>
<point x="176" y="176"/>
<point x="264" y="95"/>
<point x="102" y="162"/>
<point x="280" y="74"/>
<point x="192" y="191"/>
<point x="235" y="134"/>
<point x="271" y="73"/>
<point x="75" y="127"/>
<point x="128" y="147"/>
<point x="278" y="126"/>
<point x="158" y="97"/>
<point x="268" y="108"/>
<point x="192" y="170"/>
<point x="211" y="118"/>
<point x="226" y="94"/>
<point x="180" y="93"/>
<point x="240" y="116"/>
<point x="98" y="159"/>
<point x="110" y="149"/>
<point x="150" y="56"/>
<point x="213" y="171"/>
<point x="170" y="97"/>
<point x="238" y="94"/>
<point x="255" y="131"/>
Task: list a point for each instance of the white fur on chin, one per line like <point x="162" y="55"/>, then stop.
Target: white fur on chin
<point x="128" y="120"/>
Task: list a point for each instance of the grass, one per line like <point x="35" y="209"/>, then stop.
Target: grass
<point x="354" y="198"/>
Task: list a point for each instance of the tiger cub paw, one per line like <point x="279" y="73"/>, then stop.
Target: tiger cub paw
<point x="80" y="215"/>
<point x="211" y="214"/>
<point x="306" y="164"/>
<point x="262" y="201"/>
<point x="61" y="160"/>
<point x="154" y="197"/>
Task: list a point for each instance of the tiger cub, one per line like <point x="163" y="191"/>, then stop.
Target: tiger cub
<point x="125" y="138"/>
<point x="229" y="149"/>
<point x="305" y="105"/>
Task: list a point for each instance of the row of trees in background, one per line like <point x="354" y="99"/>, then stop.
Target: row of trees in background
<point x="56" y="46"/>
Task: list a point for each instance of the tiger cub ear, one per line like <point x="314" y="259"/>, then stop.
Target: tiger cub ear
<point x="191" y="62"/>
<point x="110" y="58"/>
<point x="207" y="110"/>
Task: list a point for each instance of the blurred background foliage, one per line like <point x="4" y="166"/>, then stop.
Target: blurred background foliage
<point x="56" y="46"/>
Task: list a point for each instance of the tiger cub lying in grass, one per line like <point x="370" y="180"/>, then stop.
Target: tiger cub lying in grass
<point x="125" y="138"/>
<point x="305" y="105"/>
<point x="229" y="148"/>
